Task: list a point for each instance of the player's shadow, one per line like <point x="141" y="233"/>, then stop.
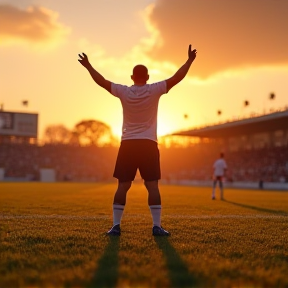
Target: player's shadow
<point x="177" y="270"/>
<point x="107" y="271"/>
<point x="260" y="209"/>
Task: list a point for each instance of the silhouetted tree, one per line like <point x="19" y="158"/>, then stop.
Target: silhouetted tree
<point x="74" y="140"/>
<point x="57" y="134"/>
<point x="93" y="132"/>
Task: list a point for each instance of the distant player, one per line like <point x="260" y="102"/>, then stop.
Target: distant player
<point x="139" y="148"/>
<point x="220" y="168"/>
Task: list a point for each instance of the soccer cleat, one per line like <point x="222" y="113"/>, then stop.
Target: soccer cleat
<point x="213" y="198"/>
<point x="114" y="231"/>
<point x="159" y="231"/>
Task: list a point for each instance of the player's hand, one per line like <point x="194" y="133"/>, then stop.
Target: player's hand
<point x="83" y="60"/>
<point x="192" y="53"/>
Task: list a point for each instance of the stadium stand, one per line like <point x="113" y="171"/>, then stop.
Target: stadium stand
<point x="255" y="150"/>
<point x="266" y="164"/>
<point x="22" y="162"/>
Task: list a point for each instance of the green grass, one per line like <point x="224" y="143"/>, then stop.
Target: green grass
<point x="53" y="235"/>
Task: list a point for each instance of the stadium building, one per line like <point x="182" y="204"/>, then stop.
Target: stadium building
<point x="24" y="158"/>
<point x="256" y="148"/>
<point x="16" y="127"/>
<point x="264" y="131"/>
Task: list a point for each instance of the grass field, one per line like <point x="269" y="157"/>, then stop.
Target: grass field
<point x="53" y="235"/>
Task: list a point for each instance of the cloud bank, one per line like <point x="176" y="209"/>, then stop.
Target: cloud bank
<point x="229" y="35"/>
<point x="35" y="25"/>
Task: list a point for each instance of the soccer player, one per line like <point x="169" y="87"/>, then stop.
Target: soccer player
<point x="138" y="148"/>
<point x="220" y="168"/>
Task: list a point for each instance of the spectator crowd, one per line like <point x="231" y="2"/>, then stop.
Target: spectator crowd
<point x="71" y="163"/>
<point x="91" y="163"/>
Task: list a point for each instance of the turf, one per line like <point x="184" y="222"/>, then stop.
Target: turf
<point x="53" y="235"/>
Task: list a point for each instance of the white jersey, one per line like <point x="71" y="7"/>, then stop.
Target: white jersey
<point x="219" y="167"/>
<point x="140" y="108"/>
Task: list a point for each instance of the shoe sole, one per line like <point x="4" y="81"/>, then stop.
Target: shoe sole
<point x="113" y="233"/>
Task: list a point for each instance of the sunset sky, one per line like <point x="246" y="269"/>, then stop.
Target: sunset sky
<point x="242" y="55"/>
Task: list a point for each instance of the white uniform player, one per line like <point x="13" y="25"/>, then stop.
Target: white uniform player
<point x="220" y="168"/>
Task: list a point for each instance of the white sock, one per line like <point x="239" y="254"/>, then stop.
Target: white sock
<point x="117" y="213"/>
<point x="156" y="214"/>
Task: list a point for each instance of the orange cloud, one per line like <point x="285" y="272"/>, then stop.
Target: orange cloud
<point x="227" y="34"/>
<point x="35" y="25"/>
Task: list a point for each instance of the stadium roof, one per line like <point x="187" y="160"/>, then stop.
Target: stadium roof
<point x="260" y="124"/>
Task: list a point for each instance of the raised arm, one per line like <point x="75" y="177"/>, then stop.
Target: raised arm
<point x="97" y="77"/>
<point x="181" y="73"/>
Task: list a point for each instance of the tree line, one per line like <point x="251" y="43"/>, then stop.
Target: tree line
<point x="97" y="133"/>
<point x="84" y="133"/>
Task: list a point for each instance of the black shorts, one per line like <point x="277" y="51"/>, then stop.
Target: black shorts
<point x="218" y="178"/>
<point x="139" y="154"/>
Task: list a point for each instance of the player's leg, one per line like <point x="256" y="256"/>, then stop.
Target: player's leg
<point x="119" y="206"/>
<point x="214" y="188"/>
<point x="149" y="169"/>
<point x="154" y="202"/>
<point x="221" y="189"/>
<point x="125" y="171"/>
<point x="121" y="192"/>
<point x="154" y="197"/>
<point x="120" y="201"/>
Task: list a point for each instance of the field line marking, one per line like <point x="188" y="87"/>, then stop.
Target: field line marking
<point x="170" y="216"/>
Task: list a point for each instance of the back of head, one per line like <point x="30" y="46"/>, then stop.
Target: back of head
<point x="140" y="72"/>
<point x="222" y="155"/>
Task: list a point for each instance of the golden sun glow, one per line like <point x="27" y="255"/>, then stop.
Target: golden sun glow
<point x="163" y="129"/>
<point x="212" y="84"/>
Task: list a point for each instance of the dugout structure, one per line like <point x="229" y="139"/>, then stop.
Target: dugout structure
<point x="18" y="127"/>
<point x="270" y="130"/>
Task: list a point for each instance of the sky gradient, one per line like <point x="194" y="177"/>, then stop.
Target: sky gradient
<point x="242" y="55"/>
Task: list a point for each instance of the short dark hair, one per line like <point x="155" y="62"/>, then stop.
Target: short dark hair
<point x="222" y="155"/>
<point x="140" y="71"/>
